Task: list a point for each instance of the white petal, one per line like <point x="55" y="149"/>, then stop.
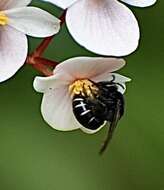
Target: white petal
<point x="42" y="84"/>
<point x="88" y="67"/>
<point x="76" y="68"/>
<point x="9" y="4"/>
<point x="33" y="21"/>
<point x="57" y="109"/>
<point x="56" y="103"/>
<point x="107" y="76"/>
<point x="140" y="3"/>
<point x="120" y="79"/>
<point x="13" y="51"/>
<point x="62" y="3"/>
<point x="104" y="27"/>
<point x="88" y="131"/>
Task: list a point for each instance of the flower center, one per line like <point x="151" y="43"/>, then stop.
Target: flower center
<point x="3" y="19"/>
<point x="84" y="87"/>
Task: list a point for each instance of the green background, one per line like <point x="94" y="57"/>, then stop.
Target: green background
<point x="33" y="156"/>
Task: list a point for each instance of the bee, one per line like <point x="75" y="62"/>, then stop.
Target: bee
<point x="106" y="106"/>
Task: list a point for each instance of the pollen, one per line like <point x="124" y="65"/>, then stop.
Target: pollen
<point x="84" y="87"/>
<point x="3" y="19"/>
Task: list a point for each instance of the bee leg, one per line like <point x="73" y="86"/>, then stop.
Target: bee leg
<point x="111" y="128"/>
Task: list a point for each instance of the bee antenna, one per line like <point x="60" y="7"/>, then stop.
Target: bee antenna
<point x="113" y="79"/>
<point x="111" y="128"/>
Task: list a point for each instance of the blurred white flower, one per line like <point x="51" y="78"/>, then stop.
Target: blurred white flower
<point x="16" y="20"/>
<point x="106" y="27"/>
<point x="71" y="77"/>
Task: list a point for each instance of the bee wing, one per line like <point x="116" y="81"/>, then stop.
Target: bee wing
<point x="111" y="128"/>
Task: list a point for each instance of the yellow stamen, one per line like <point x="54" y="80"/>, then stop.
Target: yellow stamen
<point x="84" y="87"/>
<point x="3" y="19"/>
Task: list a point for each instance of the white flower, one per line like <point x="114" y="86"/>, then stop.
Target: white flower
<point x="74" y="74"/>
<point x="106" y="27"/>
<point x="16" y="20"/>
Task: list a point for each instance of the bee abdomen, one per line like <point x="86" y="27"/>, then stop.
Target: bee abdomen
<point x="84" y="114"/>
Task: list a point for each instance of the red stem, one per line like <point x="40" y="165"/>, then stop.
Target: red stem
<point x="43" y="69"/>
<point x="45" y="61"/>
<point x="42" y="65"/>
<point x="42" y="47"/>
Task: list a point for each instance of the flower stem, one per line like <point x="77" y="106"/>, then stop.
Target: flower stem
<point x="42" y="65"/>
<point x="43" y="69"/>
<point x="45" y="61"/>
<point x="42" y="47"/>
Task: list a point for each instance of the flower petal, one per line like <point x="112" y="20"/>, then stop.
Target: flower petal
<point x="62" y="3"/>
<point x="9" y="4"/>
<point x="89" y="131"/>
<point x="57" y="100"/>
<point x="108" y="76"/>
<point x="140" y="3"/>
<point x="42" y="84"/>
<point x="104" y="27"/>
<point x="56" y="109"/>
<point x="78" y="67"/>
<point x="120" y="78"/>
<point x="33" y="21"/>
<point x="13" y="51"/>
<point x="115" y="77"/>
<point x="87" y="67"/>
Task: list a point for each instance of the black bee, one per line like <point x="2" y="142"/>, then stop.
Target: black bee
<point x="107" y="106"/>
